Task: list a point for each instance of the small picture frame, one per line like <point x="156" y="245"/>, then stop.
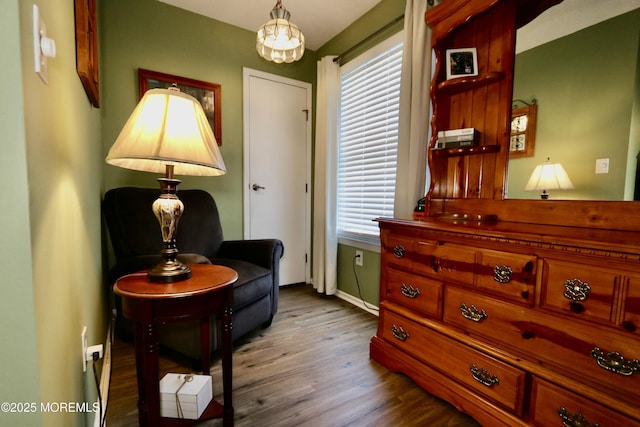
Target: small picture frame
<point x="208" y="94"/>
<point x="462" y="62"/>
<point x="522" y="140"/>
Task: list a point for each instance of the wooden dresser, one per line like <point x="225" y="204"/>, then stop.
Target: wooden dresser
<point x="518" y="312"/>
<point x="514" y="324"/>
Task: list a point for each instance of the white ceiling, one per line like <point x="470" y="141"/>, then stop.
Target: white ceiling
<point x="319" y="21"/>
<point x="569" y="17"/>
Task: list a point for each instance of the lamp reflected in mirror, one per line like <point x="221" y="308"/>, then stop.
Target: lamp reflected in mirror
<point x="549" y="176"/>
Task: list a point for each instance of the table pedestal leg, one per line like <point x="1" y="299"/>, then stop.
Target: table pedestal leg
<point x="205" y="345"/>
<point x="147" y="367"/>
<point x="227" y="365"/>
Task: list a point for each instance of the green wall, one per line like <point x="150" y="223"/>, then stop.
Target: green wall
<point x="584" y="85"/>
<point x="359" y="281"/>
<point x="156" y="36"/>
<point x="19" y="370"/>
<point x="376" y="18"/>
<point x="52" y="250"/>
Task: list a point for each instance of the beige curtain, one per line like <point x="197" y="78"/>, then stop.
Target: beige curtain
<point x="325" y="240"/>
<point x="413" y="135"/>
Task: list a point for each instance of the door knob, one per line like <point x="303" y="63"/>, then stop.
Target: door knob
<point x="257" y="187"/>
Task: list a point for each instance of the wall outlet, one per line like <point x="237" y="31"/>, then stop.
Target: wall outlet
<point x="94" y="349"/>
<point x="359" y="258"/>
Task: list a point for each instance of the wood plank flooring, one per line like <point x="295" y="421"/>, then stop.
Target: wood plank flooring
<point x="310" y="368"/>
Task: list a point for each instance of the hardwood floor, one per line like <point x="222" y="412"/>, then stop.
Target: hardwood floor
<point x="310" y="368"/>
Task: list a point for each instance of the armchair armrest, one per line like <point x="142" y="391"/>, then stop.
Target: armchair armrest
<point x="263" y="252"/>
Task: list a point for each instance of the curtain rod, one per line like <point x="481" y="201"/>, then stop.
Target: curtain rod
<point x="357" y="45"/>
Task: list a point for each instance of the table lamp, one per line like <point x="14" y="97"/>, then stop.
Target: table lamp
<point x="549" y="176"/>
<point x="168" y="133"/>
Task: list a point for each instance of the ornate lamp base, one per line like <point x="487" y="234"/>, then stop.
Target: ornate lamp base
<point x="169" y="272"/>
<point x="168" y="210"/>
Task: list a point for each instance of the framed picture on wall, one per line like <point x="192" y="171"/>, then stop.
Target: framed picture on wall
<point x="209" y="94"/>
<point x="87" y="49"/>
<point x="461" y="62"/>
<point x="522" y="141"/>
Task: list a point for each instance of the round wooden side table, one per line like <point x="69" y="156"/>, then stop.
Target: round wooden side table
<point x="208" y="292"/>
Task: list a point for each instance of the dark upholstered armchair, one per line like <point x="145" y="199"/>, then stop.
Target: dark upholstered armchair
<point x="136" y="240"/>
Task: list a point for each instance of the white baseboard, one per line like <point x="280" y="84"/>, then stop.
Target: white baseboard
<point x="105" y="381"/>
<point x="357" y="302"/>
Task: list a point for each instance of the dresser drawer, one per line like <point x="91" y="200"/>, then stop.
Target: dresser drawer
<point x="446" y="261"/>
<point x="398" y="251"/>
<point x="554" y="406"/>
<point x="415" y="292"/>
<point x="593" y="354"/>
<point x="507" y="274"/>
<point x="497" y="381"/>
<point x="581" y="290"/>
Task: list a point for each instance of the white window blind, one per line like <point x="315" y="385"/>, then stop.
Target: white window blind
<point x="367" y="158"/>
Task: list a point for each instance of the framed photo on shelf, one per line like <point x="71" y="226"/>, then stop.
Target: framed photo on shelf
<point x="209" y="94"/>
<point x="461" y="62"/>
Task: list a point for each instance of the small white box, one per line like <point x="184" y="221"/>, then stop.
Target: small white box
<point x="194" y="392"/>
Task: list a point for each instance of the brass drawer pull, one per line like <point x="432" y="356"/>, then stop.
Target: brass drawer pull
<point x="472" y="313"/>
<point x="576" y="290"/>
<point x="483" y="376"/>
<point x="398" y="251"/>
<point x="399" y="333"/>
<point x="615" y="362"/>
<point x="574" y="420"/>
<point x="502" y="273"/>
<point x="409" y="291"/>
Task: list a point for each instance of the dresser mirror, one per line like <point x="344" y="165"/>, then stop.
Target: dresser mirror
<point x="584" y="86"/>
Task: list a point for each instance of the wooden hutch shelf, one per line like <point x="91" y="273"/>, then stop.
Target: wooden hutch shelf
<point x="462" y="84"/>
<point x="465" y="151"/>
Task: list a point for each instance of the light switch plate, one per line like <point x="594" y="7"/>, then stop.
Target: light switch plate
<point x="39" y="31"/>
<point x="602" y="166"/>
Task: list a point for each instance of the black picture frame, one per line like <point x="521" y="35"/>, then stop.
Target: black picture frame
<point x="462" y="62"/>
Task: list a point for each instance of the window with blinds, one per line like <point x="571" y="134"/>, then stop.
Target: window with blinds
<point x="368" y="140"/>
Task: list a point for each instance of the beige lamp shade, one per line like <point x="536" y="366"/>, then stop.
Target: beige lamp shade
<point x="168" y="127"/>
<point x="549" y="176"/>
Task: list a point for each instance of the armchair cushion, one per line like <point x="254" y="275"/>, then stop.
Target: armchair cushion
<point x="254" y="282"/>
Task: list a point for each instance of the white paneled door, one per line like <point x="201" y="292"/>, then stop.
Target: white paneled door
<point x="277" y="167"/>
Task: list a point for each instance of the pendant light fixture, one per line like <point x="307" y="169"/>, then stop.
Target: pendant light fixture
<point x="280" y="40"/>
